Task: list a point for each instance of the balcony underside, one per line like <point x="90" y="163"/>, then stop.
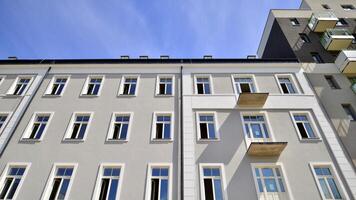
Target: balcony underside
<point x="252" y="99"/>
<point x="266" y="148"/>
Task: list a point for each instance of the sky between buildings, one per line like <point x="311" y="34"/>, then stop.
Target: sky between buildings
<point x="110" y="28"/>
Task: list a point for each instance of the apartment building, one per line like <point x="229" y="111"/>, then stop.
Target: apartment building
<point x="169" y="129"/>
<point x="321" y="35"/>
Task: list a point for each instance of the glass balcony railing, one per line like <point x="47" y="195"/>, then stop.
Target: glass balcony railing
<point x="321" y="21"/>
<point x="336" y="39"/>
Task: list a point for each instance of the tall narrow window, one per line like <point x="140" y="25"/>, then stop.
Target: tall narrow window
<point x="20" y="86"/>
<point x="332" y="82"/>
<point x="328" y="186"/>
<point x="59" y="185"/>
<point x="203" y="85"/>
<point x="120" y="127"/>
<point x="350" y="112"/>
<point x="287" y="85"/>
<point x="294" y="21"/>
<point x="3" y="118"/>
<point x="304" y="126"/>
<point x="206" y="124"/>
<point x="244" y="85"/>
<point x="269" y="182"/>
<point x="212" y="183"/>
<point x="163" y="127"/>
<point x="109" y="183"/>
<point x="255" y="128"/>
<point x="79" y="127"/>
<point x="57" y="86"/>
<point x="37" y="126"/>
<point x="159" y="183"/>
<point x="304" y="37"/>
<point x="129" y="86"/>
<point x="13" y="178"/>
<point x="93" y="86"/>
<point x="316" y="57"/>
<point x="165" y="86"/>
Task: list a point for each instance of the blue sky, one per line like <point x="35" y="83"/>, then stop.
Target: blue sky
<point x="110" y="28"/>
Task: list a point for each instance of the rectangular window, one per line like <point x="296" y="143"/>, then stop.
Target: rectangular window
<point x="317" y="58"/>
<point x="255" y="127"/>
<point x="211" y="182"/>
<point x="162" y="126"/>
<point x="325" y="6"/>
<point x="206" y="126"/>
<point x="348" y="7"/>
<point x="165" y="85"/>
<point x="294" y="21"/>
<point x="59" y="183"/>
<point x="120" y="127"/>
<point x="159" y="182"/>
<point x="12" y="178"/>
<point x="79" y="126"/>
<point x="332" y="82"/>
<point x="3" y="120"/>
<point x="57" y="86"/>
<point x="341" y="22"/>
<point x="244" y="85"/>
<point x="305" y="126"/>
<point x="109" y="182"/>
<point x="203" y="85"/>
<point x="20" y="86"/>
<point x="129" y="86"/>
<point x="286" y="85"/>
<point x="93" y="85"/>
<point x="350" y="112"/>
<point x="37" y="126"/>
<point x="328" y="185"/>
<point x="304" y="37"/>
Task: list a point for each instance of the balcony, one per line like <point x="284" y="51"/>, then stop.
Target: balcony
<point x="266" y="148"/>
<point x="336" y="39"/>
<point x="252" y="99"/>
<point x="321" y="21"/>
<point x="346" y="61"/>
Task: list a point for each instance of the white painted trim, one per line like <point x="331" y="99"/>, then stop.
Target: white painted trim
<point x="111" y="126"/>
<point x="6" y="170"/>
<point x="49" y="87"/>
<point x="8" y="116"/>
<point x="26" y="133"/>
<point x="222" y="176"/>
<point x="121" y="85"/>
<point x="311" y="120"/>
<point x="47" y="191"/>
<point x="293" y="81"/>
<point x="85" y="86"/>
<point x="10" y="91"/>
<point x="66" y="137"/>
<point x="150" y="166"/>
<point x="158" y="81"/>
<point x="210" y="83"/>
<point x="252" y="76"/>
<point x="2" y="79"/>
<point x="153" y="129"/>
<point x="100" y="174"/>
<point x="216" y="125"/>
<point x="336" y="176"/>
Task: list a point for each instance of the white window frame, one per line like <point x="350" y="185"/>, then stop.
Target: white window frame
<point x="222" y="176"/>
<point x="66" y="137"/>
<point x="86" y="84"/>
<point x="10" y="91"/>
<point x="334" y="173"/>
<point x="150" y="166"/>
<point x="5" y="172"/>
<point x="292" y="80"/>
<point x="27" y="132"/>
<point x="159" y="76"/>
<point x="47" y="191"/>
<point x="216" y="125"/>
<point x="312" y="122"/>
<point x="2" y="78"/>
<point x="252" y="76"/>
<point x="267" y="122"/>
<point x="272" y="165"/>
<point x="50" y="85"/>
<point x="153" y="129"/>
<point x="8" y="116"/>
<point x="111" y="128"/>
<point x="210" y="83"/>
<point x="100" y="175"/>
<point x="122" y="82"/>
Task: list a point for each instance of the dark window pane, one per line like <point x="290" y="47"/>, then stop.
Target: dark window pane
<point x="56" y="183"/>
<point x="159" y="129"/>
<point x="96" y="89"/>
<point x="167" y="131"/>
<point x="16" y="91"/>
<point x="207" y="88"/>
<point x="8" y="182"/>
<point x="169" y="89"/>
<point x="82" y="131"/>
<point x="132" y="89"/>
<point x="13" y="188"/>
<point x="302" y="130"/>
<point x="164" y="190"/>
<point x="203" y="131"/>
<point x="54" y="89"/>
<point x="126" y="89"/>
<point x="162" y="89"/>
<point x="34" y="131"/>
<point x="245" y="87"/>
<point x="64" y="187"/>
<point x="154" y="189"/>
<point x="75" y="131"/>
<point x="208" y="186"/>
<point x="113" y="189"/>
<point x="60" y="89"/>
<point x="104" y="188"/>
<point x="116" y="131"/>
<point x="39" y="133"/>
<point x="90" y="89"/>
<point x="284" y="89"/>
<point x="200" y="89"/>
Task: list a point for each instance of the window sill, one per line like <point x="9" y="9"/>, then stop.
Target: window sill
<point x="164" y="95"/>
<point x="51" y="95"/>
<point x="208" y="140"/>
<point x="89" y="95"/>
<point x="161" y="141"/>
<point x="72" y="140"/>
<point x="127" y="95"/>
<point x="28" y="140"/>
<point x="312" y="140"/>
<point x="111" y="141"/>
<point x="13" y="96"/>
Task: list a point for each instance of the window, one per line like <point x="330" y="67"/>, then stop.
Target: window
<point x="304" y="125"/>
<point x="348" y="7"/>
<point x="119" y="129"/>
<point x="163" y="128"/>
<point x="325" y="6"/>
<point x="129" y="85"/>
<point x="211" y="182"/>
<point x="206" y="126"/>
<point x="92" y="85"/>
<point x="12" y="179"/>
<point x="59" y="184"/>
<point x="286" y="84"/>
<point x="108" y="183"/>
<point x="37" y="126"/>
<point x="165" y="85"/>
<point x="79" y="126"/>
<point x="202" y="85"/>
<point x="341" y="22"/>
<point x="294" y="21"/>
<point x="2" y="78"/>
<point x="317" y="58"/>
<point x="159" y="182"/>
<point x="350" y="112"/>
<point x="269" y="181"/>
<point x="3" y="120"/>
<point x="332" y="82"/>
<point x="20" y="86"/>
<point x="327" y="181"/>
<point x="244" y="84"/>
<point x="354" y="40"/>
<point x="255" y="127"/>
<point x="56" y="86"/>
<point x="304" y="37"/>
<point x="353" y="83"/>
